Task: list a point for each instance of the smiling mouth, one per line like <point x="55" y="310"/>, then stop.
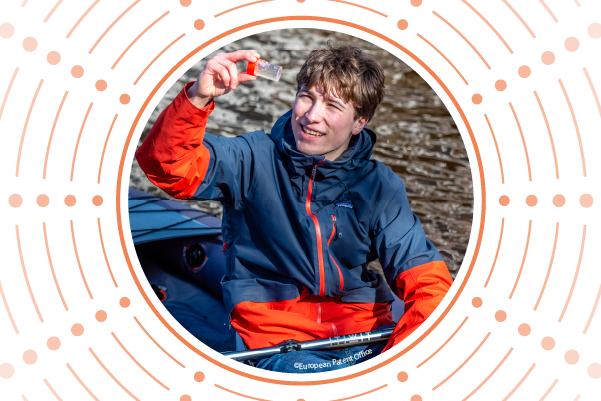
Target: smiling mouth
<point x="311" y="133"/>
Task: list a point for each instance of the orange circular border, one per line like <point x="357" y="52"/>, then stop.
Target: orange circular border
<point x="332" y="21"/>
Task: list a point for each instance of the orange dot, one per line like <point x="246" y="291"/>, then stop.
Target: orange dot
<point x="6" y="30"/>
<point x="500" y="316"/>
<point x="594" y="30"/>
<point x="559" y="200"/>
<point x="124" y="302"/>
<point x="571" y="357"/>
<point x="185" y="397"/>
<point x="300" y="1"/>
<point x="199" y="24"/>
<point x="402" y="376"/>
<point x="77" y="329"/>
<point x="524" y="329"/>
<point x="53" y="343"/>
<point x="30" y="357"/>
<point x="477" y="98"/>
<point x="30" y="44"/>
<point x="416" y="3"/>
<point x="15" y="200"/>
<point x="185" y="3"/>
<point x="402" y="24"/>
<point x="100" y="316"/>
<point x="101" y="85"/>
<point x="53" y="58"/>
<point x="416" y="398"/>
<point x="199" y="376"/>
<point x="500" y="85"/>
<point x="124" y="99"/>
<point x="548" y="343"/>
<point x="7" y="370"/>
<point x="70" y="200"/>
<point x="504" y="200"/>
<point x="571" y="44"/>
<point x="524" y="71"/>
<point x="586" y="200"/>
<point x="97" y="200"/>
<point x="477" y="302"/>
<point x="531" y="200"/>
<point x="594" y="370"/>
<point x="548" y="58"/>
<point x="43" y="200"/>
<point x="77" y="71"/>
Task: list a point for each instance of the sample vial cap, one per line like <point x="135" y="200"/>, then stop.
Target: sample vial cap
<point x="250" y="69"/>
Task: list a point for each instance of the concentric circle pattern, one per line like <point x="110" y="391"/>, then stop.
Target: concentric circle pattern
<point x="79" y="79"/>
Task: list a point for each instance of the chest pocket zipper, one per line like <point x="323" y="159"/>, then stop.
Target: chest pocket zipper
<point x="333" y="235"/>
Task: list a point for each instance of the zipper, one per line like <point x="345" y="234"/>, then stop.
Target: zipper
<point x="322" y="283"/>
<point x="332" y="236"/>
<point x="333" y="229"/>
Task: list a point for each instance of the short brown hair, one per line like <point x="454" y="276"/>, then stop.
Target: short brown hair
<point x="354" y="77"/>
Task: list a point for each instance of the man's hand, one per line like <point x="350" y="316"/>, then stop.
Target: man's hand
<point x="220" y="76"/>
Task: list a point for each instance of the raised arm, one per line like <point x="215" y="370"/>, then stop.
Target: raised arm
<point x="176" y="156"/>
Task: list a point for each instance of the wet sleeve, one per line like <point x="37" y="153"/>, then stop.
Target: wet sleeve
<point x="179" y="158"/>
<point x="412" y="266"/>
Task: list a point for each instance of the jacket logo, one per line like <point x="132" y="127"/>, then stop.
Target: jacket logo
<point x="344" y="204"/>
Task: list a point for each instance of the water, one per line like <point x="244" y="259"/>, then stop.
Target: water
<point x="417" y="138"/>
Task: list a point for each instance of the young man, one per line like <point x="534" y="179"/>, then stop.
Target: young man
<point x="305" y="210"/>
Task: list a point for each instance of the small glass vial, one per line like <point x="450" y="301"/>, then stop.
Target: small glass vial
<point x="262" y="68"/>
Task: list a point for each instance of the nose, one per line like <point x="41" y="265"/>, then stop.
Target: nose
<point x="315" y="113"/>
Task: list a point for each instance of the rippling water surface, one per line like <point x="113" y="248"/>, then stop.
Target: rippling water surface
<point x="417" y="138"/>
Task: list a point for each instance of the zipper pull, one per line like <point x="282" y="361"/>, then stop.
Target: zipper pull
<point x="335" y="228"/>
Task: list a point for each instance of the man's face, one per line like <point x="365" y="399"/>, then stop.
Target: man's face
<point x="323" y="126"/>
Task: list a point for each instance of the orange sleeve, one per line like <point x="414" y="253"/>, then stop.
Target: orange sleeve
<point x="422" y="288"/>
<point x="173" y="156"/>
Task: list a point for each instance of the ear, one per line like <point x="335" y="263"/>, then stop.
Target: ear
<point x="359" y="125"/>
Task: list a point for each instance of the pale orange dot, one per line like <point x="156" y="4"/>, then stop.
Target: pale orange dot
<point x="100" y="316"/>
<point x="124" y="99"/>
<point x="300" y="1"/>
<point x="6" y="30"/>
<point x="572" y="44"/>
<point x="571" y="357"/>
<point x="416" y="3"/>
<point x="185" y="397"/>
<point x="594" y="30"/>
<point x="43" y="200"/>
<point x="548" y="343"/>
<point x="199" y="376"/>
<point x="70" y="200"/>
<point x="504" y="200"/>
<point x="30" y="357"/>
<point x="586" y="200"/>
<point x="500" y="85"/>
<point x="416" y="398"/>
<point x="97" y="200"/>
<point x="500" y="316"/>
<point x="53" y="58"/>
<point x="402" y="376"/>
<point x="477" y="98"/>
<point x="594" y="370"/>
<point x="124" y="302"/>
<point x="524" y="329"/>
<point x="402" y="24"/>
<point x="524" y="71"/>
<point x="77" y="329"/>
<point x="15" y="200"/>
<point x="7" y="370"/>
<point x="199" y="24"/>
<point x="101" y="85"/>
<point x="53" y="343"/>
<point x="477" y="302"/>
<point x="548" y="58"/>
<point x="559" y="200"/>
<point x="77" y="71"/>
<point x="30" y="44"/>
<point x="185" y="3"/>
<point x="531" y="200"/>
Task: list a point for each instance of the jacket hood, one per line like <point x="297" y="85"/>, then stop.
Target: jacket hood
<point x="356" y="156"/>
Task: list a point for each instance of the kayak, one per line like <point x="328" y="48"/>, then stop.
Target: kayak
<point x="180" y="251"/>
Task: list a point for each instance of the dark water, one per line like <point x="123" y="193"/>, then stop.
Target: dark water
<point x="417" y="138"/>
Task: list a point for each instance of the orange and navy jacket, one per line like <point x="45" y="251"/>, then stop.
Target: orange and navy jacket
<point x="300" y="230"/>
